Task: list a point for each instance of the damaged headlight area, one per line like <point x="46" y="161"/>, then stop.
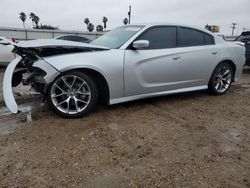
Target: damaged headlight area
<point x="33" y="76"/>
<point x="25" y="73"/>
<point x="36" y="79"/>
<point x="33" y="69"/>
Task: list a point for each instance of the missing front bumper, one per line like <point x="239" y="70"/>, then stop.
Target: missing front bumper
<point x="37" y="81"/>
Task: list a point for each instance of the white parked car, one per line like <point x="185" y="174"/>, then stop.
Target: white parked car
<point x="6" y="55"/>
<point x="128" y="63"/>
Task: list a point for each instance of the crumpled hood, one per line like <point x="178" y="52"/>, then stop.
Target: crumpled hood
<point x="42" y="48"/>
<point x="46" y="43"/>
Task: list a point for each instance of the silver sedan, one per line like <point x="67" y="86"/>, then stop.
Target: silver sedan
<point x="128" y="63"/>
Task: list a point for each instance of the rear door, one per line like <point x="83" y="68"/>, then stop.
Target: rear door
<point x="198" y="55"/>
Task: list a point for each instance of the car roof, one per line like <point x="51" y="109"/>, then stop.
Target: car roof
<point x="171" y="24"/>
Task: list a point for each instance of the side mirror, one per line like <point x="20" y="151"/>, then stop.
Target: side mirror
<point x="141" y="44"/>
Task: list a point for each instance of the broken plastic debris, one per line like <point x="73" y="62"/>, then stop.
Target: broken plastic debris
<point x="29" y="117"/>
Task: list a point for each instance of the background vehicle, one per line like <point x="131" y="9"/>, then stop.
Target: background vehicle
<point x="128" y="63"/>
<point x="6" y="55"/>
<point x="245" y="38"/>
<point x="74" y="38"/>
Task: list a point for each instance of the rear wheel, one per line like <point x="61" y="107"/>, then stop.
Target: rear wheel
<point x="221" y="79"/>
<point x="72" y="94"/>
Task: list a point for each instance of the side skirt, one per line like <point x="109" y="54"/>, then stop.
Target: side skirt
<point x="157" y="94"/>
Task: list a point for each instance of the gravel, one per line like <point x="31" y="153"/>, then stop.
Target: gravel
<point x="185" y="140"/>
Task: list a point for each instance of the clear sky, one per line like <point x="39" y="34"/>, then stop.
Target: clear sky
<point x="70" y="14"/>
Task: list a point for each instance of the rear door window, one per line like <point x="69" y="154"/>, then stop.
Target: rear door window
<point x="209" y="39"/>
<point x="190" y="37"/>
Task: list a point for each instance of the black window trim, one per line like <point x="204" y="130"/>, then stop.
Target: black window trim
<point x="178" y="36"/>
<point x="130" y="47"/>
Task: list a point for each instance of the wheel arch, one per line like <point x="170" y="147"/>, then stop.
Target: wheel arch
<point x="99" y="78"/>
<point x="102" y="84"/>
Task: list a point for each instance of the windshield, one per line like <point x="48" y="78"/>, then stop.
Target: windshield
<point x="117" y="37"/>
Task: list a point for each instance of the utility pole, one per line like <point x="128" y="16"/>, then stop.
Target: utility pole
<point x="233" y="27"/>
<point x="129" y="14"/>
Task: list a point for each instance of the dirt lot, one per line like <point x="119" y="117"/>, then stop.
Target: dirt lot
<point x="185" y="140"/>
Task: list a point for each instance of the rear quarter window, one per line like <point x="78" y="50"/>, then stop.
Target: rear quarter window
<point x="209" y="39"/>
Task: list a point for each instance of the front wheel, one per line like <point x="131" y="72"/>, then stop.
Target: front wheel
<point x="72" y="94"/>
<point x="221" y="79"/>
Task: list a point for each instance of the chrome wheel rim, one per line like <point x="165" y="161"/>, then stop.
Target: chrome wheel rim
<point x="223" y="79"/>
<point x="70" y="94"/>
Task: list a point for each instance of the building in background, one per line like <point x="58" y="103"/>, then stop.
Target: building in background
<point x="213" y="28"/>
<point x="30" y="34"/>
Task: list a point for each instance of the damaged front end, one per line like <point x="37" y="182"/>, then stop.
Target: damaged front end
<point x="30" y="68"/>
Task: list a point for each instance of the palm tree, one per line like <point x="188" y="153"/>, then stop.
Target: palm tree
<point x="91" y="27"/>
<point x="105" y="20"/>
<point x="99" y="28"/>
<point x="125" y="21"/>
<point x="36" y="20"/>
<point x="23" y="17"/>
<point x="86" y="21"/>
<point x="32" y="16"/>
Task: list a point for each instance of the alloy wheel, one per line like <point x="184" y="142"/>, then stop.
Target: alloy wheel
<point x="223" y="79"/>
<point x="70" y="94"/>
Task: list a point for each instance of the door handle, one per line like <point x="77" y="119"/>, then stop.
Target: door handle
<point x="214" y="53"/>
<point x="176" y="57"/>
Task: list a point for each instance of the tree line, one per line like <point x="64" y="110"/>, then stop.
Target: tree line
<point x="99" y="27"/>
<point x="90" y="26"/>
<point x="35" y="21"/>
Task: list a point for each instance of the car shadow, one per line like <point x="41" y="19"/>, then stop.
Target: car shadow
<point x="194" y="95"/>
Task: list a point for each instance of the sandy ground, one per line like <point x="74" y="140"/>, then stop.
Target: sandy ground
<point x="185" y="140"/>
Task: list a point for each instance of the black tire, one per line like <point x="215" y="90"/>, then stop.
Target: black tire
<point x="91" y="101"/>
<point x="215" y="78"/>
